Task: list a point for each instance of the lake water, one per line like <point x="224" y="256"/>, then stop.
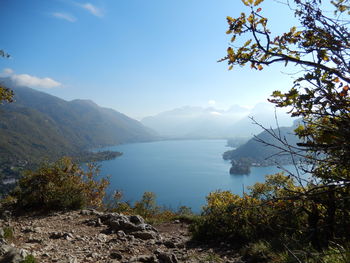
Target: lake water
<point x="179" y="172"/>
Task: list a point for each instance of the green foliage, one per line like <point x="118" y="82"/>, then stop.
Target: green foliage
<point x="147" y="205"/>
<point x="315" y="215"/>
<point x="8" y="233"/>
<point x="184" y="211"/>
<point x="147" y="208"/>
<point x="39" y="126"/>
<point x="29" y="259"/>
<point x="6" y="94"/>
<point x="260" y="251"/>
<point x="320" y="44"/>
<point x="59" y="186"/>
<point x="275" y="221"/>
<point x="252" y="217"/>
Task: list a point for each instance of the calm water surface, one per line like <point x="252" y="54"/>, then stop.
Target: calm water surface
<point x="180" y="172"/>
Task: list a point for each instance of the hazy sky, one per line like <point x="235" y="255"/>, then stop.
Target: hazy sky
<point x="139" y="57"/>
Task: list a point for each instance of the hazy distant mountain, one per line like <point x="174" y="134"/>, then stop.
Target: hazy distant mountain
<point x="39" y="125"/>
<point x="264" y="114"/>
<point x="195" y="122"/>
<point x="198" y="122"/>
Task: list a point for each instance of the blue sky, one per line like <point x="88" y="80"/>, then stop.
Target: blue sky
<point x="139" y="57"/>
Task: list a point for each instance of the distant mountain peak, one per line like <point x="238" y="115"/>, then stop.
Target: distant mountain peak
<point x="209" y="122"/>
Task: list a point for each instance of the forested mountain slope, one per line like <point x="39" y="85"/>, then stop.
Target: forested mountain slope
<point x="38" y="126"/>
<point x="260" y="153"/>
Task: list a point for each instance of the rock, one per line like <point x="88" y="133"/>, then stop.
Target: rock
<point x="102" y="237"/>
<point x="128" y="224"/>
<point x="92" y="255"/>
<point x="37" y="230"/>
<point x="6" y="215"/>
<point x="143" y="258"/>
<point x="136" y="219"/>
<point x="115" y="255"/>
<point x="72" y="259"/>
<point x="121" y="233"/>
<point x="166" y="258"/>
<point x="2" y="233"/>
<point x="98" y="222"/>
<point x="180" y="245"/>
<point x="57" y="235"/>
<point x="4" y="247"/>
<point x="88" y="212"/>
<point x="169" y="244"/>
<point x="68" y="236"/>
<point x="69" y="259"/>
<point x="144" y="235"/>
<point x="14" y="255"/>
<point x="130" y="238"/>
<point x="32" y="239"/>
<point x="85" y="212"/>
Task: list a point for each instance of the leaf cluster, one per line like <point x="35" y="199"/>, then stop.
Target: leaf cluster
<point x="62" y="185"/>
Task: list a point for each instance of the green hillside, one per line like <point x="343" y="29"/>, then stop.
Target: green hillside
<point x="39" y="126"/>
<point x="254" y="152"/>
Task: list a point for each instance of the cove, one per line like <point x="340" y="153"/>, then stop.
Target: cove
<point x="179" y="172"/>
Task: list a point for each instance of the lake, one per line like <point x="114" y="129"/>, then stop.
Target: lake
<point x="179" y="172"/>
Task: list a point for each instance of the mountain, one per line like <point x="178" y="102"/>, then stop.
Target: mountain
<point x="38" y="126"/>
<point x="264" y="114"/>
<point x="198" y="122"/>
<point x="254" y="152"/>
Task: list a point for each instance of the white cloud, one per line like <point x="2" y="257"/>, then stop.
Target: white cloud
<point x="30" y="81"/>
<point x="92" y="9"/>
<point x="34" y="82"/>
<point x="211" y="102"/>
<point x="215" y="113"/>
<point x="8" y="71"/>
<point x="64" y="16"/>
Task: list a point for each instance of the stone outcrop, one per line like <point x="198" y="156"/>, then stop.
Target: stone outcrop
<point x="93" y="236"/>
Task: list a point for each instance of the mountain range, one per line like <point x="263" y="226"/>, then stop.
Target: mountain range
<point x="210" y="123"/>
<point x="40" y="126"/>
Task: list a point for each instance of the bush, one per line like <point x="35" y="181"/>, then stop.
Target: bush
<point x="29" y="259"/>
<point x="62" y="185"/>
<point x="146" y="207"/>
<point x="275" y="214"/>
<point x="8" y="233"/>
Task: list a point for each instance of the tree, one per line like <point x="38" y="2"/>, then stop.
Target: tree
<point x="320" y="46"/>
<point x="5" y="93"/>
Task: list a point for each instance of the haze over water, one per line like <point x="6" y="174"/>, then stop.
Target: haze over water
<point x="180" y="172"/>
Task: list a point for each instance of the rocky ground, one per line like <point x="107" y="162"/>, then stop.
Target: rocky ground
<point x="92" y="236"/>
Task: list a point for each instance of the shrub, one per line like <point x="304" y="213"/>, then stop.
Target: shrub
<point x="60" y="186"/>
<point x="275" y="214"/>
<point x="264" y="214"/>
<point x="8" y="233"/>
<point x="29" y="259"/>
<point x="146" y="207"/>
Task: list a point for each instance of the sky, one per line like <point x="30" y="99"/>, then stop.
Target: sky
<point x="139" y="57"/>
